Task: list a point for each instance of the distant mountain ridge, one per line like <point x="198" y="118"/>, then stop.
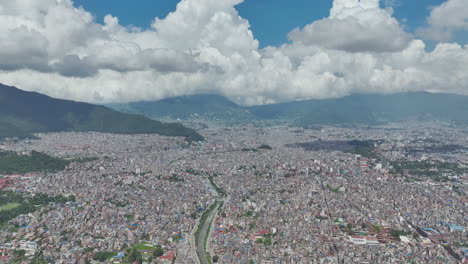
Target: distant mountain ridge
<point x="23" y="113"/>
<point x="206" y="106"/>
<point x="372" y="109"/>
<point x="367" y="109"/>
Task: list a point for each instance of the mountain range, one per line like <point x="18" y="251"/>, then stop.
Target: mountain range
<point x="204" y="106"/>
<point x="368" y="109"/>
<point x="23" y="113"/>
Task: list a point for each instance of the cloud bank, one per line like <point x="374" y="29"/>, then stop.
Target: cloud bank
<point x="204" y="46"/>
<point x="445" y="20"/>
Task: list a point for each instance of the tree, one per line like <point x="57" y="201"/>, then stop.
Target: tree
<point x="377" y="229"/>
<point x="397" y="233"/>
<point x="215" y="259"/>
<point x="265" y="146"/>
<point x="349" y="226"/>
<point x="88" y="249"/>
<point x="135" y="255"/>
<point x="19" y="253"/>
<point x="103" y="256"/>
<point x="158" y="252"/>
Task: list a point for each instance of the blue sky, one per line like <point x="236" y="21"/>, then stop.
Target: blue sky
<point x="271" y="20"/>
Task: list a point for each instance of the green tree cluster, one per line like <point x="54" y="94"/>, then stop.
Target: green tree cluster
<point x="27" y="203"/>
<point x="158" y="252"/>
<point x="103" y="256"/>
<point x="11" y="163"/>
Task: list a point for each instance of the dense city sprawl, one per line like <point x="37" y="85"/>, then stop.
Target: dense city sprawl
<point x="389" y="194"/>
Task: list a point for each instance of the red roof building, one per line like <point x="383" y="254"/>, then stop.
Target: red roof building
<point x="169" y="256"/>
<point x="5" y="183"/>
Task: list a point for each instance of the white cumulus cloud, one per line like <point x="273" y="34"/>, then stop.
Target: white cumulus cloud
<point x="445" y="20"/>
<point x="355" y="26"/>
<point x="204" y="46"/>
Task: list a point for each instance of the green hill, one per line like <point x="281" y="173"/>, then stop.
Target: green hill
<point x="23" y="113"/>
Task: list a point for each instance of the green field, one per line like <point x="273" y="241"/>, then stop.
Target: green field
<point x="144" y="246"/>
<point x="9" y="206"/>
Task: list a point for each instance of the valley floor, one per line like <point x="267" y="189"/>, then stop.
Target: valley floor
<point x="398" y="196"/>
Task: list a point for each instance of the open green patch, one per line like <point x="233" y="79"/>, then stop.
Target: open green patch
<point x="144" y="246"/>
<point x="9" y="206"/>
